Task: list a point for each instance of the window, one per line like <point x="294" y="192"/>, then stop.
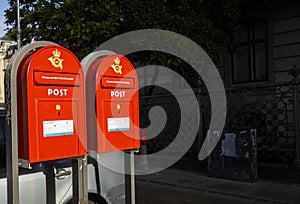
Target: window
<point x="249" y="60"/>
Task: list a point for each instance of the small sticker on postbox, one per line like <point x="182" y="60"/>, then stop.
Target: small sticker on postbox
<point x="118" y="124"/>
<point x="54" y="128"/>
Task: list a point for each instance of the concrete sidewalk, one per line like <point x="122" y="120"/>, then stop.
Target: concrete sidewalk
<point x="186" y="187"/>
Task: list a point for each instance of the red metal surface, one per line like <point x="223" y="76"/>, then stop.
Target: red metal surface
<point x="112" y="96"/>
<point x="51" y="101"/>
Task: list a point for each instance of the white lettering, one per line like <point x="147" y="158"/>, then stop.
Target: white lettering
<point x="65" y="91"/>
<point x="117" y="94"/>
<point x="117" y="82"/>
<point x="50" y="92"/>
<point x="57" y="92"/>
<point x="58" y="78"/>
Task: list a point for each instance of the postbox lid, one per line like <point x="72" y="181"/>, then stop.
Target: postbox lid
<point x="55" y="59"/>
<point x="116" y="66"/>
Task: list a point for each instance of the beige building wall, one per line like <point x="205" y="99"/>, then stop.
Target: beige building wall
<point x="6" y="51"/>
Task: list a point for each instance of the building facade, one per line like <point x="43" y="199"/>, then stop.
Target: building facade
<point x="7" y="48"/>
<point x="261" y="83"/>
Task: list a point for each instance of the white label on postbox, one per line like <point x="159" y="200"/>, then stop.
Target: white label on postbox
<point x="117" y="82"/>
<point x="57" y="92"/>
<point x="58" y="78"/>
<point x="118" y="124"/>
<point x="117" y="94"/>
<point x="54" y="128"/>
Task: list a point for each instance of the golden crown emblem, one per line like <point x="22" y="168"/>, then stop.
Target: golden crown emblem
<point x="56" y="53"/>
<point x="117" y="61"/>
<point x="55" y="60"/>
<point x="117" y="67"/>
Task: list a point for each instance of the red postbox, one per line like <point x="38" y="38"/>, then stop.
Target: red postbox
<point x="112" y="105"/>
<point x="51" y="106"/>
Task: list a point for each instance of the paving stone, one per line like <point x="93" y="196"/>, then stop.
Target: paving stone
<point x="178" y="186"/>
<point x="164" y="192"/>
<point x="211" y="198"/>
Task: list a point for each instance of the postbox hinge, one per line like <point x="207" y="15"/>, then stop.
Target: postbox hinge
<point x="93" y="154"/>
<point x="24" y="164"/>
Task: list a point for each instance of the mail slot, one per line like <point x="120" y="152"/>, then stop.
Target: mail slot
<point x="121" y="83"/>
<point x="112" y="105"/>
<point x="51" y="106"/>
